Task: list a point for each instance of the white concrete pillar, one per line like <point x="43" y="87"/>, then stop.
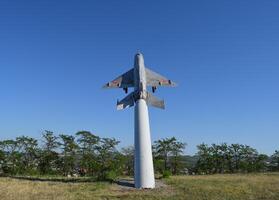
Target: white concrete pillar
<point x="143" y="166"/>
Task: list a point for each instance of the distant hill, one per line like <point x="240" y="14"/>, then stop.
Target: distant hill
<point x="189" y="161"/>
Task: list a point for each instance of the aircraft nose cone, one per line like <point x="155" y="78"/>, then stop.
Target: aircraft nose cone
<point x="138" y="58"/>
<point x="139" y="55"/>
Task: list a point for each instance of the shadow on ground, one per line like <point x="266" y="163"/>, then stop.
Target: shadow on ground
<point x="128" y="183"/>
<point x="53" y="179"/>
<point x="125" y="183"/>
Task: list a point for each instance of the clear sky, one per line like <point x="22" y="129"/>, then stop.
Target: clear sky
<point x="56" y="55"/>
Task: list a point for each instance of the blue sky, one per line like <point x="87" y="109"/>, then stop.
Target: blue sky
<point x="56" y="55"/>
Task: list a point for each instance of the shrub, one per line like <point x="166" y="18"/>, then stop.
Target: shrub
<point x="166" y="174"/>
<point x="111" y="176"/>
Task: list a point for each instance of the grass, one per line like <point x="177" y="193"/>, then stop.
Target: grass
<point x="227" y="187"/>
<point x="215" y="187"/>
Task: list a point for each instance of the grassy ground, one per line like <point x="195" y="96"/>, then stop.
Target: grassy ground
<point x="217" y="187"/>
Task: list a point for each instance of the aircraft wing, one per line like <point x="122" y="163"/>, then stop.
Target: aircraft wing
<point x="154" y="79"/>
<point x="123" y="81"/>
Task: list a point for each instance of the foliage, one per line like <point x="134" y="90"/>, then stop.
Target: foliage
<point x="11" y="156"/>
<point x="232" y="158"/>
<point x="87" y="142"/>
<point x="86" y="154"/>
<point x="107" y="157"/>
<point x="111" y="175"/>
<point x="275" y="161"/>
<point x="48" y="159"/>
<point x="69" y="151"/>
<point x="165" y="149"/>
<point x="28" y="150"/>
<point x="166" y="174"/>
<point x="128" y="156"/>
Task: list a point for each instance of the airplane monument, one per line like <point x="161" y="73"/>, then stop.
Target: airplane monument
<point x="140" y="77"/>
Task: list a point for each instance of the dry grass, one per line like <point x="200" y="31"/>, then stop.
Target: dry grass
<point x="227" y="187"/>
<point x="14" y="189"/>
<point x="217" y="187"/>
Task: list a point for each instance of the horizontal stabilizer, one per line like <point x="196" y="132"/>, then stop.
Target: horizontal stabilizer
<point x="128" y="101"/>
<point x="154" y="101"/>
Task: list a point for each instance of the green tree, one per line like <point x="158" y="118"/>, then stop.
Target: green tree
<point x="261" y="163"/>
<point x="163" y="150"/>
<point x="69" y="151"/>
<point x="234" y="158"/>
<point x="235" y="154"/>
<point x="220" y="157"/>
<point x="87" y="146"/>
<point x="48" y="160"/>
<point x="205" y="161"/>
<point x="128" y="154"/>
<point x="166" y="148"/>
<point x="3" y="160"/>
<point x="11" y="162"/>
<point x="109" y="161"/>
<point x="248" y="158"/>
<point x="275" y="161"/>
<point x="177" y="148"/>
<point x="28" y="148"/>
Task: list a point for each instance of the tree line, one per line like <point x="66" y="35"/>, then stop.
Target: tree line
<point x="234" y="158"/>
<point x="82" y="154"/>
<point x="86" y="154"/>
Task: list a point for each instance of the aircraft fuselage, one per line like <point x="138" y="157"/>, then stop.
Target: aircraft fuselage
<point x="139" y="77"/>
